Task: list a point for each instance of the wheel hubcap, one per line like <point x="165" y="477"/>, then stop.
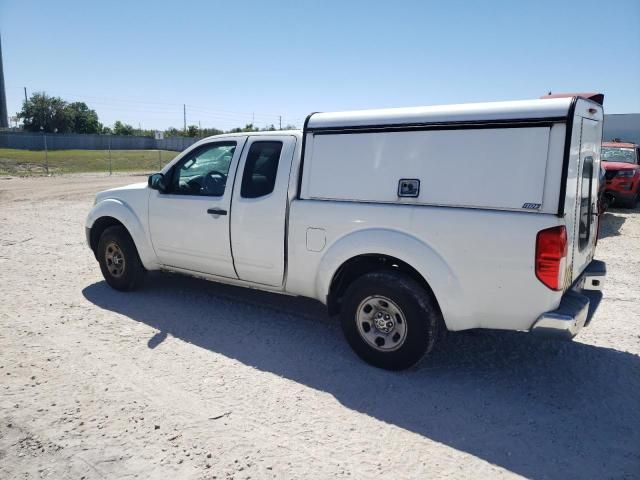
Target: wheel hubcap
<point x="381" y="323"/>
<point x="115" y="259"/>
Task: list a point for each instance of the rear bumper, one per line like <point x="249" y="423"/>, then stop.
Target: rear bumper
<point x="577" y="306"/>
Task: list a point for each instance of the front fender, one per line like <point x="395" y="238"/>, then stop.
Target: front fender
<point x="121" y="211"/>
<point x="410" y="250"/>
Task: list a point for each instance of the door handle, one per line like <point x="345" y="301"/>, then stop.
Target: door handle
<point x="216" y="211"/>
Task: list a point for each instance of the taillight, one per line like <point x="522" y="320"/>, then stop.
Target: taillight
<point x="551" y="255"/>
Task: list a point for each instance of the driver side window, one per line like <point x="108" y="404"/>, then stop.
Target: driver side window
<point x="203" y="171"/>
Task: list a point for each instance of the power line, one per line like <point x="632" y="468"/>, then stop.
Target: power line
<point x="110" y="100"/>
<point x="164" y="110"/>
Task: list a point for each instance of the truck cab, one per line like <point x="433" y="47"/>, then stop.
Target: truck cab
<point x="195" y="194"/>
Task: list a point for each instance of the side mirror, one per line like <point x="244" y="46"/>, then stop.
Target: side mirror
<point x="157" y="182"/>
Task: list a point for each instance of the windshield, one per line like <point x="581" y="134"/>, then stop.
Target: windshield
<point x="616" y="154"/>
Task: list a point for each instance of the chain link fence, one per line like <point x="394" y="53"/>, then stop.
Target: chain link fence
<point x="55" y="162"/>
<point x="42" y="154"/>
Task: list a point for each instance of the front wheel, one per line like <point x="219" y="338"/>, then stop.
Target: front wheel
<point x="119" y="261"/>
<point x="390" y="320"/>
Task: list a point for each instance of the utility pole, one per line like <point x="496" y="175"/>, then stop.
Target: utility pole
<point x="25" y="94"/>
<point x="184" y="115"/>
<point x="4" y="117"/>
<point x="280" y="120"/>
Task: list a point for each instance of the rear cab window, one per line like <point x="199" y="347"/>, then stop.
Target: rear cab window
<point x="261" y="167"/>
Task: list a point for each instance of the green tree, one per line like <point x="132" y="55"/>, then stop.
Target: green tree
<point x="249" y="127"/>
<point x="172" y="132"/>
<point x="120" y="128"/>
<point x="42" y="112"/>
<point x="84" y="120"/>
<point x="145" y="132"/>
<point x="192" y="131"/>
<point x="207" y="132"/>
<point x="50" y="114"/>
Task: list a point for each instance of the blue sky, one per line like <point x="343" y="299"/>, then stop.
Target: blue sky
<point x="231" y="62"/>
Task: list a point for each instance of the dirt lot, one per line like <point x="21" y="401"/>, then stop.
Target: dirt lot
<point x="189" y="379"/>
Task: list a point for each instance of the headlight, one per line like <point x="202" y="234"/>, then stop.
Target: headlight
<point x="626" y="173"/>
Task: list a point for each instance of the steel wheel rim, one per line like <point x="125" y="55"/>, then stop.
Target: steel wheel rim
<point x="114" y="259"/>
<point x="381" y="323"/>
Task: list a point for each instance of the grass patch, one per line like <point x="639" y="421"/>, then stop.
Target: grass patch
<point x="32" y="162"/>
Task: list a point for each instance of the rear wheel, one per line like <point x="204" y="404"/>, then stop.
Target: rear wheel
<point x="390" y="320"/>
<point x="119" y="260"/>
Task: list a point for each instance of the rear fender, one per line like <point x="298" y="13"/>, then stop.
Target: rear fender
<point x="410" y="250"/>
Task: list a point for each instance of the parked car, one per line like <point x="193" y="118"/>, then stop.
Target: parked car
<point x="367" y="212"/>
<point x="621" y="162"/>
<point x="603" y="201"/>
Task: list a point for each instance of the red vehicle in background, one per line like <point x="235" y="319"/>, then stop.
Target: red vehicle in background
<point x="621" y="162"/>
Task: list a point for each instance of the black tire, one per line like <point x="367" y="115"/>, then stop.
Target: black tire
<point x="422" y="317"/>
<point x="131" y="275"/>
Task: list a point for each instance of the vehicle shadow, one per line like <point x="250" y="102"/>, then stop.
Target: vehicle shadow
<point x="541" y="409"/>
<point x="611" y="224"/>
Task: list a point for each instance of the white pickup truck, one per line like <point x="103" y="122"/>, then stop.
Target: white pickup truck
<point x="405" y="222"/>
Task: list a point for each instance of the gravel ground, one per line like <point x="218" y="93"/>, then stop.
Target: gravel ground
<point x="190" y="379"/>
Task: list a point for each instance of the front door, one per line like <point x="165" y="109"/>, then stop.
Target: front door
<point x="258" y="223"/>
<point x="189" y="223"/>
